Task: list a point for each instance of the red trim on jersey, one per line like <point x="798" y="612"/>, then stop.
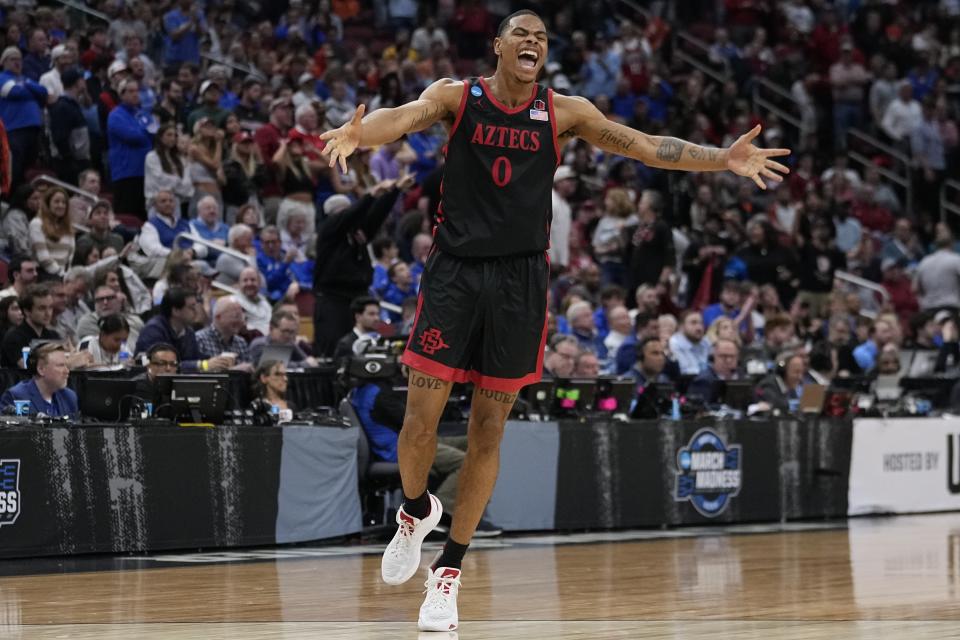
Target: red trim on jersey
<point x="553" y="126"/>
<point x="505" y="108"/>
<point x="450" y="374"/>
<point x="416" y="317"/>
<point x="460" y="110"/>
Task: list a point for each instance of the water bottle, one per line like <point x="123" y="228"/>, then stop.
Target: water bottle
<point x="674" y="407"/>
<point x="124" y="355"/>
<point x="25" y="354"/>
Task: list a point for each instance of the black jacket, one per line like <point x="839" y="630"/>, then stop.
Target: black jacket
<point x="19" y="337"/>
<point x="343" y="264"/>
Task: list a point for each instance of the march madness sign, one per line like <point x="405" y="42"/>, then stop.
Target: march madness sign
<point x="9" y="491"/>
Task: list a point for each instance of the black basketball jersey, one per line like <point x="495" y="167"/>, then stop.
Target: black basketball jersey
<point x="498" y="179"/>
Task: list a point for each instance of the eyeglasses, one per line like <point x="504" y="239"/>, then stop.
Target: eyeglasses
<point x="105" y="298"/>
<point x="167" y="364"/>
<point x="277" y="374"/>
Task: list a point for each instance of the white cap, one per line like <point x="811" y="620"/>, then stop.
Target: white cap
<point x="564" y="172"/>
<point x="116" y="67"/>
<point x="58" y="51"/>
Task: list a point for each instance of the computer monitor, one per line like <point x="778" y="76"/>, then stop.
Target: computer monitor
<point x="279" y="352"/>
<point x="107" y="399"/>
<point x="195" y="398"/>
<point x="614" y="395"/>
<point x="539" y="398"/>
<point x="574" y="396"/>
<point x="738" y="394"/>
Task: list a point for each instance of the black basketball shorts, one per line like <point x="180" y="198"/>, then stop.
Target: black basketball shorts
<point x="481" y="320"/>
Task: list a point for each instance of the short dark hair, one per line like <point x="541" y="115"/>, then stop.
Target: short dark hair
<point x="359" y="305"/>
<point x="33" y="292"/>
<point x="279" y="316"/>
<point x="113" y="323"/>
<point x="642" y="346"/>
<point x="643" y="319"/>
<point x="160" y="347"/>
<point x="392" y="271"/>
<point x="175" y="298"/>
<point x="612" y="291"/>
<point x="381" y="244"/>
<point x="506" y="21"/>
<point x="16" y="265"/>
<point x="167" y="83"/>
<point x="821" y="356"/>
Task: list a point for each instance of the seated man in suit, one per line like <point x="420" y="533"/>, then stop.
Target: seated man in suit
<point x="647" y="372"/>
<point x="47" y="390"/>
<point x="780" y="391"/>
<point x="707" y="387"/>
<point x="161" y="359"/>
<point x="366" y="317"/>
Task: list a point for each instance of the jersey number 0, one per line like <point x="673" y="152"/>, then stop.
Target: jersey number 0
<point x="501" y="171"/>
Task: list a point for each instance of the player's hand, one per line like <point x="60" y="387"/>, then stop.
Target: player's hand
<point x="406" y="181"/>
<point x="343" y="141"/>
<point x="746" y="160"/>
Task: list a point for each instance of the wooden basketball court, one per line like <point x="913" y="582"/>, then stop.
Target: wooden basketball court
<point x="869" y="578"/>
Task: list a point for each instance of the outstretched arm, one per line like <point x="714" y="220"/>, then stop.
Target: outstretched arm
<point x="439" y="101"/>
<point x="577" y="117"/>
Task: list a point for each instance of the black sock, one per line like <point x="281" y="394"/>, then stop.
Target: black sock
<point x="418" y="507"/>
<point x="452" y="555"/>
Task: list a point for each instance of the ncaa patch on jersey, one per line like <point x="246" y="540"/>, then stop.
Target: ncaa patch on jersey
<point x="538" y="114"/>
<point x="476" y="91"/>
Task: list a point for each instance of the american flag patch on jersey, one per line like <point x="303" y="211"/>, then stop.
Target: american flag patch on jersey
<point x="539" y="114"/>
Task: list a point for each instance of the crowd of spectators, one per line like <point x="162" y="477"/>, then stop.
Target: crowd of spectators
<point x="202" y="119"/>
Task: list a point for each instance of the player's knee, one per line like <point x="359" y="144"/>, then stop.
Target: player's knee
<point x="486" y="432"/>
<point x="418" y="428"/>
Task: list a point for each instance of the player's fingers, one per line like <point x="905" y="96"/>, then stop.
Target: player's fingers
<point x="326" y="135"/>
<point x="777" y="166"/>
<point x="358" y="115"/>
<point x="343" y="164"/>
<point x="333" y="158"/>
<point x="766" y="173"/>
<point x="329" y="148"/>
<point x="753" y="133"/>
<point x="772" y="153"/>
<point x="759" y="182"/>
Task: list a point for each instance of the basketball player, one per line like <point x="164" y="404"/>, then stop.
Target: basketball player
<point x="481" y="316"/>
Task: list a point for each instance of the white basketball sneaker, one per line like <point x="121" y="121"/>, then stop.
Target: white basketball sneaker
<point x="439" y="609"/>
<point x="401" y="559"/>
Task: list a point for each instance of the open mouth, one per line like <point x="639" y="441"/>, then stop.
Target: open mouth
<point x="528" y="59"/>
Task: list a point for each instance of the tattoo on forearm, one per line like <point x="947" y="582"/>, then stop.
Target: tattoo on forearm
<point x="569" y="134"/>
<point x="499" y="396"/>
<point x="427" y="116"/>
<point x="710" y="154"/>
<point x="423" y="382"/>
<point x="619" y="141"/>
<point x="670" y="150"/>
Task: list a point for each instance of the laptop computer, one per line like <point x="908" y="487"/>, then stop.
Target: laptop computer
<point x="281" y="352"/>
<point x="887" y="388"/>
<point x="923" y="364"/>
<point x="812" y="398"/>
